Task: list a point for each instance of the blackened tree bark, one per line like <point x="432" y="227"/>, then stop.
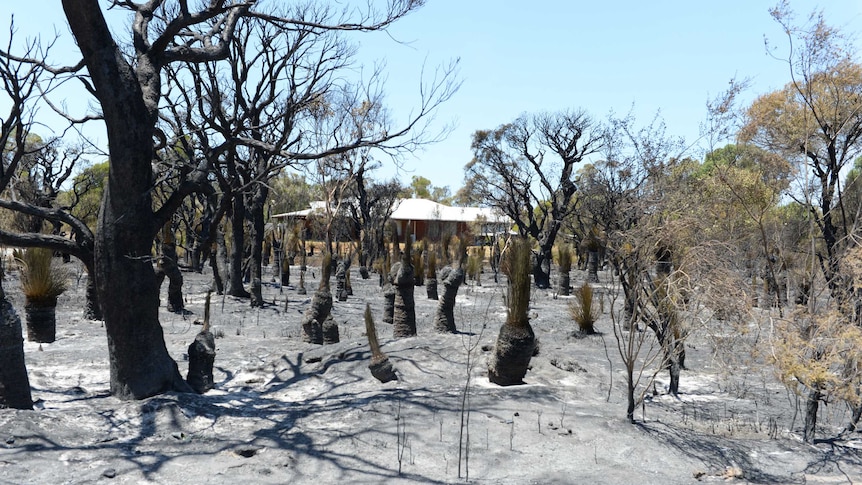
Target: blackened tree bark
<point x="341" y="274"/>
<point x="812" y="403"/>
<point x="169" y="267"/>
<point x="431" y="280"/>
<point x="321" y="306"/>
<point x="140" y="365"/>
<point x="452" y="278"/>
<point x="14" y="383"/>
<point x="202" y="352"/>
<point x="404" y="311"/>
<point x="237" y="249"/>
<point x="258" y="203"/>
<point x="219" y="263"/>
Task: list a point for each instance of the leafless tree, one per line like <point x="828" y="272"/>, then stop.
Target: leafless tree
<point x="526" y="169"/>
<point x="128" y="87"/>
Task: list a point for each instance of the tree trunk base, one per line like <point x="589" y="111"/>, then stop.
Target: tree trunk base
<point x="14" y="382"/>
<point x="512" y="354"/>
<point x="330" y="331"/>
<point x="431" y="288"/>
<point x="312" y="332"/>
<point x="201" y="359"/>
<point x="388" y="303"/>
<point x="41" y="323"/>
<point x="382" y="369"/>
<point x="565" y="286"/>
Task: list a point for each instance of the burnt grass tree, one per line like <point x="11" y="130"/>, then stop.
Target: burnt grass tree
<point x="42" y="282"/>
<point x="516" y="341"/>
<point x="389" y="286"/>
<point x="431" y="276"/>
<point x="14" y="383"/>
<point x="452" y="277"/>
<point x="564" y="256"/>
<point x="202" y="352"/>
<point x="341" y="277"/>
<point x="419" y="263"/>
<point x="168" y="267"/>
<point x="321" y="305"/>
<point x="404" y="310"/>
<point x="381" y="368"/>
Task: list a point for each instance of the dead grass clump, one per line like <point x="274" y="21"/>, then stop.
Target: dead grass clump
<point x="581" y="310"/>
<point x="41" y="280"/>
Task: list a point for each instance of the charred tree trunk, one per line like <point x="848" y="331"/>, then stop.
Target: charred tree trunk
<point x="404" y="311"/>
<point x="14" y="383"/>
<point x="330" y="331"/>
<point x="321" y="306"/>
<point x="630" y="394"/>
<point x="593" y="266"/>
<point x="202" y="355"/>
<point x="41" y="317"/>
<point x="285" y="270"/>
<point x="542" y="269"/>
<point x="302" y="269"/>
<point x="167" y="267"/>
<point x="201" y="359"/>
<point x="674" y="368"/>
<point x="811" y="406"/>
<point x="431" y="280"/>
<point x="452" y="278"/>
<point x="219" y="263"/>
<point x="237" y="249"/>
<point x="258" y="201"/>
<point x="388" y="302"/>
<point x="495" y="259"/>
<point x="512" y="353"/>
<point x="431" y="287"/>
<point x="92" y="307"/>
<point x="341" y="278"/>
<point x="565" y="283"/>
<point x="363" y="257"/>
<point x="140" y="365"/>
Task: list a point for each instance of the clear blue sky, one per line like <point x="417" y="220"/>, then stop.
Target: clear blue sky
<point x="547" y="55"/>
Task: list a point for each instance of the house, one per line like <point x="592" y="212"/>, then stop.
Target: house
<point x="421" y="218"/>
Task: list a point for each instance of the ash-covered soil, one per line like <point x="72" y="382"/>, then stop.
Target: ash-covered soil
<point x="284" y="411"/>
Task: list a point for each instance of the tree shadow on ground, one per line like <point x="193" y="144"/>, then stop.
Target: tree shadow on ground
<point x="717" y="452"/>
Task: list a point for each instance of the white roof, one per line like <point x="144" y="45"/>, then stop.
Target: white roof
<point x="422" y="210"/>
<point x="317" y="205"/>
<point x="428" y="210"/>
